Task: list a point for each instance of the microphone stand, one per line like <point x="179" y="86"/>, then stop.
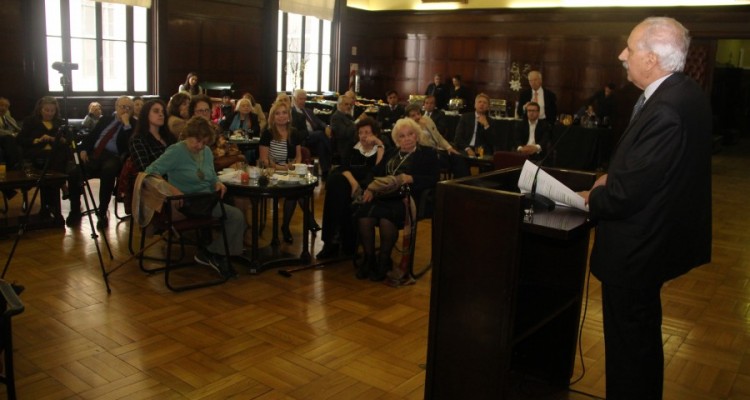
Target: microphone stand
<point x="535" y="199"/>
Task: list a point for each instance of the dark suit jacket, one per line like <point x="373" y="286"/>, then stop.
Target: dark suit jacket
<point x="550" y="104"/>
<point x="299" y="121"/>
<point x="388" y="117"/>
<point x="465" y="130"/>
<point x="542" y="137"/>
<point x="441" y="92"/>
<point x="654" y="213"/>
<point x="123" y="136"/>
<point x="343" y="131"/>
<point x="439" y="118"/>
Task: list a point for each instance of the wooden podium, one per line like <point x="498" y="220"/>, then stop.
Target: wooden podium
<point x="506" y="290"/>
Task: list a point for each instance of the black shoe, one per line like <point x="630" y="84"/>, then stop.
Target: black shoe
<point x="313" y="225"/>
<point x="381" y="268"/>
<point x="18" y="288"/>
<point x="328" y="251"/>
<point x="367" y="267"/>
<point x="287" y="234"/>
<point x="74" y="218"/>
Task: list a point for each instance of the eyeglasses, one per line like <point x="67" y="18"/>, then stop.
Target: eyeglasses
<point x="202" y="111"/>
<point x="124" y="107"/>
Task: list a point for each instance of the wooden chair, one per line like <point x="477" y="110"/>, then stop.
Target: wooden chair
<point x="10" y="305"/>
<point x="508" y="159"/>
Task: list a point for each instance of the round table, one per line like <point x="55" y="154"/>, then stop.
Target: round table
<point x="257" y="194"/>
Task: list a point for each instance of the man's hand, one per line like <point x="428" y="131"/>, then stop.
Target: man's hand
<point x="328" y="131"/>
<point x="470" y="152"/>
<point x="482" y="119"/>
<point x="602" y="181"/>
<point x="124" y="118"/>
<point x="84" y="156"/>
<point x="585" y="195"/>
<point x="528" y="149"/>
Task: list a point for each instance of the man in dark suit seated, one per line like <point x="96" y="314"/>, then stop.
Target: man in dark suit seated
<point x="389" y="114"/>
<point x="343" y="130"/>
<point x="531" y="135"/>
<point x="440" y="91"/>
<point x="475" y="128"/>
<point x="429" y="109"/>
<point x="313" y="133"/>
<point x="102" y="153"/>
<point x="544" y="97"/>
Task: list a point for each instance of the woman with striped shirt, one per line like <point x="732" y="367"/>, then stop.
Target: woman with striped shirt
<point x="279" y="150"/>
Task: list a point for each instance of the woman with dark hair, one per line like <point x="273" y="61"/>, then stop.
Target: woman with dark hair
<point x="191" y="85"/>
<point x="151" y="137"/>
<point x="37" y="138"/>
<point x="189" y="167"/>
<point x="278" y="150"/>
<point x="344" y="186"/>
<point x="178" y="112"/>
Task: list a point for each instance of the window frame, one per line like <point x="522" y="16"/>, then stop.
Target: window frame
<point x="66" y="48"/>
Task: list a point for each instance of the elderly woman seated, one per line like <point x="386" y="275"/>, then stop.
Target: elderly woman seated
<point x="409" y="163"/>
<point x="190" y="169"/>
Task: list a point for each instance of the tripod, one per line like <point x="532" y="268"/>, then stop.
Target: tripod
<point x="58" y="145"/>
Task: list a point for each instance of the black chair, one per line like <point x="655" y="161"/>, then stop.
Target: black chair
<point x="10" y="305"/>
<point x="177" y="231"/>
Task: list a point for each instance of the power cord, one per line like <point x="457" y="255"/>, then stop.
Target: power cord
<point x="580" y="331"/>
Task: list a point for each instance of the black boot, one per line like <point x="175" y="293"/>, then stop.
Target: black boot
<point x="381" y="269"/>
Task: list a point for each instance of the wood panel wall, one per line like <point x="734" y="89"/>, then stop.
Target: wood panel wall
<point x="576" y="50"/>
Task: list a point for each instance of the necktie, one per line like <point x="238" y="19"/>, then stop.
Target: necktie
<point x="105" y="139"/>
<point x="638" y="106"/>
<point x="536" y="97"/>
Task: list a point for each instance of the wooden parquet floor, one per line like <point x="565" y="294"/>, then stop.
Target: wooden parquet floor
<point x="322" y="334"/>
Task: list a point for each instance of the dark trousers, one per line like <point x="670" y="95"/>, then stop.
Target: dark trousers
<point x="634" y="354"/>
<point x="320" y="144"/>
<point x="106" y="167"/>
<point x="337" y="214"/>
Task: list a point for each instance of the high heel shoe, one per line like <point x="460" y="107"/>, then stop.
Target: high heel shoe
<point x="287" y="235"/>
<point x="313" y="225"/>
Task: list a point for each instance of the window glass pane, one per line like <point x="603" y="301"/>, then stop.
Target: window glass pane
<point x="54" y="53"/>
<point x="278" y="76"/>
<point x="113" y="21"/>
<point x="325" y="79"/>
<point x="294" y="33"/>
<point x="115" y="66"/>
<point x="140" y="67"/>
<point x="325" y="43"/>
<point x="280" y="36"/>
<point x="293" y="70"/>
<point x="52" y="11"/>
<point x="82" y="18"/>
<point x="311" y="73"/>
<point x="140" y="24"/>
<point x="83" y="53"/>
<point x="312" y="29"/>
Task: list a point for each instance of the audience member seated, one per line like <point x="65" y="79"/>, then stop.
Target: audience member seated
<point x="458" y="91"/>
<point x="544" y="97"/>
<point x="37" y="139"/>
<point x="449" y="158"/>
<point x="599" y="109"/>
<point x="151" y="137"/>
<point x="437" y="116"/>
<point x="102" y="153"/>
<point x="258" y="110"/>
<point x="343" y="126"/>
<point x="188" y="166"/>
<point x="531" y="133"/>
<point x="439" y="90"/>
<point x="390" y="113"/>
<point x="279" y="151"/>
<point x="137" y="105"/>
<point x="10" y="153"/>
<point x="344" y="185"/>
<point x="243" y="118"/>
<point x="95" y="112"/>
<point x="313" y="133"/>
<point x="407" y="164"/>
<point x="178" y="112"/>
<point x="191" y="86"/>
<point x="223" y="110"/>
<point x="475" y="128"/>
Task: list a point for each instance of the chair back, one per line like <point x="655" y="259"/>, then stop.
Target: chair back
<point x="508" y="159"/>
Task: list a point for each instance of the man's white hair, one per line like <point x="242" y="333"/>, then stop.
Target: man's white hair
<point x="668" y="39"/>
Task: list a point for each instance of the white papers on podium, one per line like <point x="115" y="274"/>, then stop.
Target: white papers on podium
<point x="549" y="187"/>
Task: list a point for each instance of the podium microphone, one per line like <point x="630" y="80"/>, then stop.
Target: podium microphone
<point x="537" y="200"/>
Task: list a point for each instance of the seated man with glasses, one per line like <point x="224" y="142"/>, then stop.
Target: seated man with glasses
<point x="103" y="151"/>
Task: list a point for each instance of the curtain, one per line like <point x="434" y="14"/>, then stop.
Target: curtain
<point x="322" y="9"/>
<point x="137" y="3"/>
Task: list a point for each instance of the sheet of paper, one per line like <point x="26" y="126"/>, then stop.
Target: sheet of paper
<point x="549" y="187"/>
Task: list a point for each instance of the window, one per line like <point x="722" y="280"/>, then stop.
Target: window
<point x="304" y="53"/>
<point x="109" y="42"/>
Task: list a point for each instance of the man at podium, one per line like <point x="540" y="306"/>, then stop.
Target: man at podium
<point x="653" y="206"/>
